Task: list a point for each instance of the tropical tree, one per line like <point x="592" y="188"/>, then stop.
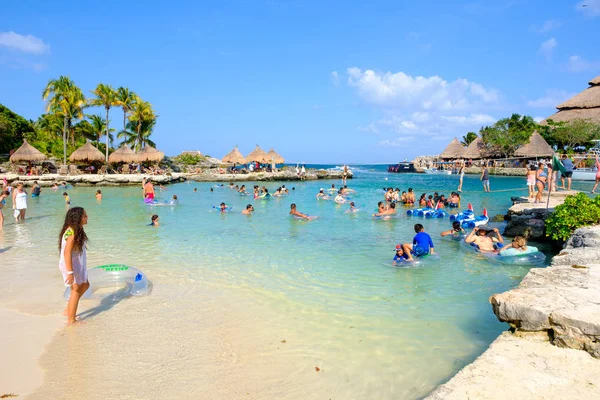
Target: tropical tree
<point x="125" y="99"/>
<point x="66" y="99"/>
<point x="142" y="121"/>
<point x="570" y="135"/>
<point x="105" y="97"/>
<point x="468" y="138"/>
<point x="508" y="134"/>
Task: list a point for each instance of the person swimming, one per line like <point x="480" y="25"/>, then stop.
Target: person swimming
<point x="154" y="220"/>
<point x="456" y="230"/>
<point x="98" y="194"/>
<point x="174" y="201"/>
<point x="352" y="207"/>
<point x="400" y="255"/>
<point x="321" y="195"/>
<point x="223" y="207"/>
<point x="294" y="212"/>
<point x="479" y="237"/>
<point x="249" y="209"/>
<point x="339" y="198"/>
<point x="67" y="199"/>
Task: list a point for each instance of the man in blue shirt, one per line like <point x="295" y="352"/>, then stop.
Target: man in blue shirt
<point x="421" y="245"/>
<point x="568" y="163"/>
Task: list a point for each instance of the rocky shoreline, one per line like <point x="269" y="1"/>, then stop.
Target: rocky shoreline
<point x="553" y="347"/>
<point x="211" y="175"/>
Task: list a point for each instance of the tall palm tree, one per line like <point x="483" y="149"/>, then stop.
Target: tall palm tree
<point x="98" y="126"/>
<point x="143" y="120"/>
<point x="64" y="98"/>
<point x="125" y="99"/>
<point x="136" y="140"/>
<point x="105" y="97"/>
<point x="468" y="138"/>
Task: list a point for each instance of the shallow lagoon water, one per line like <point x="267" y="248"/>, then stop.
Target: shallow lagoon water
<point x="382" y="331"/>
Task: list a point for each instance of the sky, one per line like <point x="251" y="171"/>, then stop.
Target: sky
<point x="320" y="81"/>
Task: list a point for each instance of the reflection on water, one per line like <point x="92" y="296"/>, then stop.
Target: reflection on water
<point x="330" y="278"/>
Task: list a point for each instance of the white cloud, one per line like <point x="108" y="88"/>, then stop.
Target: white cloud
<point x="591" y="8"/>
<point x="433" y="93"/>
<point x="538" y="119"/>
<point x="335" y="78"/>
<point x="551" y="98"/>
<point x="473" y="119"/>
<point x="396" y="142"/>
<point x="547" y="48"/>
<point x="579" y="64"/>
<point x="547" y="26"/>
<point x="26" y="44"/>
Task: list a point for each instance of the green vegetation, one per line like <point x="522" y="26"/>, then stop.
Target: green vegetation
<point x="468" y="138"/>
<point x="188" y="159"/>
<point x="568" y="136"/>
<point x="65" y="127"/>
<point x="575" y="212"/>
<point x="508" y="134"/>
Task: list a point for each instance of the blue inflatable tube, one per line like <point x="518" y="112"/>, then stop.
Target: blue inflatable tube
<point x="131" y="281"/>
<point x="437" y="214"/>
<point x="468" y="214"/>
<point x="476" y="221"/>
<point x="419" y="212"/>
<point x="528" y="259"/>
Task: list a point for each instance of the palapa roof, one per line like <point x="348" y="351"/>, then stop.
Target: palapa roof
<point x="454" y="150"/>
<point x="87" y="153"/>
<point x="258" y="155"/>
<point x="149" y="153"/>
<point x="234" y="156"/>
<point x="537" y="147"/>
<point x="27" y="153"/>
<point x="585" y="105"/>
<point x="274" y="157"/>
<point x="475" y="150"/>
<point x="123" y="154"/>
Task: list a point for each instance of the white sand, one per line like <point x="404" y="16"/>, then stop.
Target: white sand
<point x="23" y="338"/>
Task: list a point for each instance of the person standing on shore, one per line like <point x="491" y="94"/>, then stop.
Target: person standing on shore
<point x="72" y="264"/>
<point x="461" y="174"/>
<point x="597" y="174"/>
<point x="540" y="181"/>
<point x="568" y="163"/>
<point x="531" y="173"/>
<point x="19" y="199"/>
<point x="344" y="174"/>
<point x="485" y="177"/>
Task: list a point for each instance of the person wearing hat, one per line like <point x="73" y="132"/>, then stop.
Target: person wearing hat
<point x="400" y="256"/>
<point x="321" y="195"/>
<point x="481" y="238"/>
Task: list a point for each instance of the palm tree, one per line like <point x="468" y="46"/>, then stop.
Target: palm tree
<point x="468" y="138"/>
<point x="105" y="97"/>
<point x="98" y="126"/>
<point x="125" y="100"/>
<point x="64" y="98"/>
<point x="142" y="120"/>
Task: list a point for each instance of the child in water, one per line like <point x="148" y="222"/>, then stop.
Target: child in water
<point x="223" y="207"/>
<point x="99" y="194"/>
<point x="154" y="220"/>
<point x="174" y="200"/>
<point x="72" y="262"/>
<point x="456" y="230"/>
<point x="400" y="255"/>
<point x="248" y="210"/>
<point x="67" y="199"/>
<point x="421" y="245"/>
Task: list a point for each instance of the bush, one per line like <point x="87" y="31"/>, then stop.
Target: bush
<point x="188" y="159"/>
<point x="575" y="212"/>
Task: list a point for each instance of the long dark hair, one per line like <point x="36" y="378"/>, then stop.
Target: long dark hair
<point x="73" y="220"/>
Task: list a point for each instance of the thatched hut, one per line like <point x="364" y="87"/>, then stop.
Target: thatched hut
<point x="585" y="105"/>
<point x="475" y="150"/>
<point x="122" y="155"/>
<point x="537" y="147"/>
<point x="454" y="150"/>
<point x="27" y="153"/>
<point x="149" y="153"/>
<point x="258" y="155"/>
<point x="274" y="157"/>
<point x="87" y="153"/>
<point x="234" y="157"/>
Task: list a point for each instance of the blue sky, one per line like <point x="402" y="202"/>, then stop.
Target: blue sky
<point x="320" y="81"/>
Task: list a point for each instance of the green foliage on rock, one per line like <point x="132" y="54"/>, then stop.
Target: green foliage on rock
<point x="188" y="159"/>
<point x="577" y="211"/>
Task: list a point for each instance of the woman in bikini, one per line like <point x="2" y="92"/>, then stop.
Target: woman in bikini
<point x="540" y="182"/>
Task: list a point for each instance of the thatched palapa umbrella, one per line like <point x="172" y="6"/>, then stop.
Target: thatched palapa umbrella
<point x="87" y="153"/>
<point x="454" y="150"/>
<point x="475" y="150"/>
<point x="234" y="156"/>
<point x="585" y="105"/>
<point x="258" y="155"/>
<point x="274" y="157"/>
<point x="149" y="153"/>
<point x="27" y="153"/>
<point x="122" y="155"/>
<point x="537" y="147"/>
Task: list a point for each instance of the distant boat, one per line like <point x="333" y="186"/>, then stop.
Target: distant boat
<point x="587" y="174"/>
<point x="403" y="167"/>
<point x="435" y="170"/>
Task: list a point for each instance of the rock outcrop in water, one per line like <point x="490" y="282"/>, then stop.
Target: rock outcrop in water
<point x="555" y="316"/>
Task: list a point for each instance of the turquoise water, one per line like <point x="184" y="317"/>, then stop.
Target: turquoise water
<point x="333" y="276"/>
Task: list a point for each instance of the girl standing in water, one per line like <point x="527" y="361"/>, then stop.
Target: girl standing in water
<point x="71" y="244"/>
<point x="19" y="198"/>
